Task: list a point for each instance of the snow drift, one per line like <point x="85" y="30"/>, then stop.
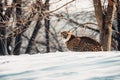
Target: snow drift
<point x="61" y="66"/>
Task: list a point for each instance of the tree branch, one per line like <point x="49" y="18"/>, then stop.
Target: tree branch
<point x="62" y="6"/>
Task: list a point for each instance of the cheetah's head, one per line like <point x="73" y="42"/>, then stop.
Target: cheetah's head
<point x="66" y="35"/>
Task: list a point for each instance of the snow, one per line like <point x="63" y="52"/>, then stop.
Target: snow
<point x="61" y="66"/>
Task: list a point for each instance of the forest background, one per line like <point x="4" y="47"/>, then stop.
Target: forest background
<point x="34" y="26"/>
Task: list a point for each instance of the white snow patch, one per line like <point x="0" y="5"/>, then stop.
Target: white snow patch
<point x="61" y="66"/>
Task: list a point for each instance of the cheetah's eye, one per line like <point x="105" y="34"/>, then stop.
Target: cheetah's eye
<point x="65" y="36"/>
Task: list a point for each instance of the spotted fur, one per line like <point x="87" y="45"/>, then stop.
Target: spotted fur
<point x="84" y="43"/>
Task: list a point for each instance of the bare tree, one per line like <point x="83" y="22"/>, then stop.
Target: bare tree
<point x="47" y="26"/>
<point x="39" y="7"/>
<point x="2" y="30"/>
<point x="5" y="14"/>
<point x="118" y="22"/>
<point x="18" y="38"/>
<point x="32" y="39"/>
<point x="104" y="18"/>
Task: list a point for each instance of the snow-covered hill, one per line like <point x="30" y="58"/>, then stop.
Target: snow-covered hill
<point x="61" y="66"/>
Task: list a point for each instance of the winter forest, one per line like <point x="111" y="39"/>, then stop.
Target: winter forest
<point x="34" y="26"/>
<point x="82" y="38"/>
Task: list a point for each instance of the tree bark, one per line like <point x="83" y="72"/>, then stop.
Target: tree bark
<point x="104" y="20"/>
<point x="3" y="17"/>
<point x="18" y="38"/>
<point x="47" y="27"/>
<point x="118" y="22"/>
<point x="99" y="17"/>
<point x="98" y="12"/>
<point x="3" y="50"/>
<point x="107" y="33"/>
<point x="32" y="39"/>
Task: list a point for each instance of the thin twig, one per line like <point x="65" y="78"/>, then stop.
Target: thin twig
<point x="61" y="6"/>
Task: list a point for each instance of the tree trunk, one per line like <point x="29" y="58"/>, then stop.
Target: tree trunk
<point x="18" y="38"/>
<point x="118" y="22"/>
<point x="104" y="20"/>
<point x="107" y="33"/>
<point x="9" y="39"/>
<point x="32" y="39"/>
<point x="47" y="27"/>
<point x="99" y="17"/>
<point x="3" y="41"/>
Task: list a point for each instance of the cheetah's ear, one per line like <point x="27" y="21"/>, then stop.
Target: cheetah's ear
<point x="69" y="32"/>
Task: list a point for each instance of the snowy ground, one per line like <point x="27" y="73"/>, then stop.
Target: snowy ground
<point x="61" y="66"/>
